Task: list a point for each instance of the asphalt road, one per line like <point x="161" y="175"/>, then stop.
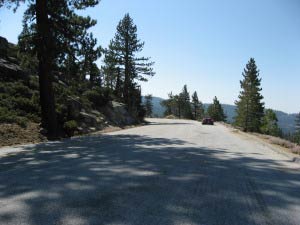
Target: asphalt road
<point x="168" y="172"/>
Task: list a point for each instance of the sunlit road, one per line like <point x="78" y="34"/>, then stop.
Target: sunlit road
<point x="168" y="172"/>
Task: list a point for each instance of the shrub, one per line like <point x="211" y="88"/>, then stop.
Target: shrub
<point x="97" y="97"/>
<point x="281" y="142"/>
<point x="70" y="127"/>
<point x="7" y="116"/>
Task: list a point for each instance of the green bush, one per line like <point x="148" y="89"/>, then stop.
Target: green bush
<point x="19" y="100"/>
<point x="7" y="116"/>
<point x="16" y="89"/>
<point x="70" y="127"/>
<point x="97" y="97"/>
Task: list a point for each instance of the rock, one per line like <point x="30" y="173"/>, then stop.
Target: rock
<point x="92" y="129"/>
<point x="74" y="107"/>
<point x="10" y="71"/>
<point x="3" y="47"/>
<point x="43" y="131"/>
<point x="120" y="115"/>
<point x="96" y="113"/>
<point x="88" y="119"/>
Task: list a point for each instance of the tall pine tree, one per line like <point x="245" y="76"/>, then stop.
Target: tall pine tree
<point x="250" y="108"/>
<point x="197" y="107"/>
<point x="215" y="111"/>
<point x="184" y="100"/>
<point x="126" y="46"/>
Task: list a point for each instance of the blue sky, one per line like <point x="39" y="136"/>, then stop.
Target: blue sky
<point x="206" y="44"/>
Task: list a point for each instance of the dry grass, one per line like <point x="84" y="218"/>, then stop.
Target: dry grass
<point x="290" y="146"/>
<point x="13" y="134"/>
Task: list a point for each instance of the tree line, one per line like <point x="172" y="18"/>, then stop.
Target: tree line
<point x="57" y="44"/>
<point x="182" y="106"/>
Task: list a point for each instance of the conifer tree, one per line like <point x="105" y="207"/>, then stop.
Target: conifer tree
<point x="197" y="105"/>
<point x="184" y="101"/>
<point x="250" y="108"/>
<point x="51" y="29"/>
<point x="297" y="123"/>
<point x="113" y="75"/>
<point x="270" y="123"/>
<point x="215" y="111"/>
<point x="148" y="105"/>
<point x="297" y="129"/>
<point x="167" y="104"/>
<point x="90" y="52"/>
<point x="171" y="105"/>
<point x="127" y="46"/>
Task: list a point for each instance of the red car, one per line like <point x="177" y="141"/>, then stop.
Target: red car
<point x="208" y="120"/>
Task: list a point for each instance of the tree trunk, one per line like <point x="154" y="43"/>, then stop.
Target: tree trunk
<point x="127" y="75"/>
<point x="49" y="120"/>
<point x="118" y="84"/>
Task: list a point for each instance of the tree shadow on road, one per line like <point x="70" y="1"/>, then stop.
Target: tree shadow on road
<point x="135" y="179"/>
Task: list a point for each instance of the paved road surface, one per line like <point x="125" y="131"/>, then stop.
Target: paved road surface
<point x="169" y="172"/>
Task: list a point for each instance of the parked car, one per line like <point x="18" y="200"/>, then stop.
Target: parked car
<point x="208" y="121"/>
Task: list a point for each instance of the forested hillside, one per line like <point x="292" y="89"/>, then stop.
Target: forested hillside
<point x="51" y="77"/>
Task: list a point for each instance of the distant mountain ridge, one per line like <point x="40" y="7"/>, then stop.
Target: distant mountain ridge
<point x="286" y="121"/>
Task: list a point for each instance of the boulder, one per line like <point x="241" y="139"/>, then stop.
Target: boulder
<point x="74" y="107"/>
<point x="88" y="119"/>
<point x="10" y="71"/>
<point x="118" y="114"/>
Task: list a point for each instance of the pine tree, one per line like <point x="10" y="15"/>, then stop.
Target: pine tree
<point x="51" y="29"/>
<point x="270" y="123"/>
<point x="148" y="105"/>
<point x="195" y="104"/>
<point x="297" y="129"/>
<point x="250" y="109"/>
<point x="126" y="46"/>
<point x="297" y="123"/>
<point x="172" y="105"/>
<point x="215" y="111"/>
<point x="197" y="107"/>
<point x="113" y="72"/>
<point x="90" y="52"/>
<point x="184" y="101"/>
<point x="168" y="105"/>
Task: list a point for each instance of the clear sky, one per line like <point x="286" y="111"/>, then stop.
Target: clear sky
<point x="206" y="44"/>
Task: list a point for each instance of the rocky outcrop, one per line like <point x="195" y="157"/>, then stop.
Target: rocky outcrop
<point x="9" y="69"/>
<point x="118" y="115"/>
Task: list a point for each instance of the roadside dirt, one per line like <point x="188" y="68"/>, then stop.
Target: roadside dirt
<point x="13" y="134"/>
<point x="279" y="145"/>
